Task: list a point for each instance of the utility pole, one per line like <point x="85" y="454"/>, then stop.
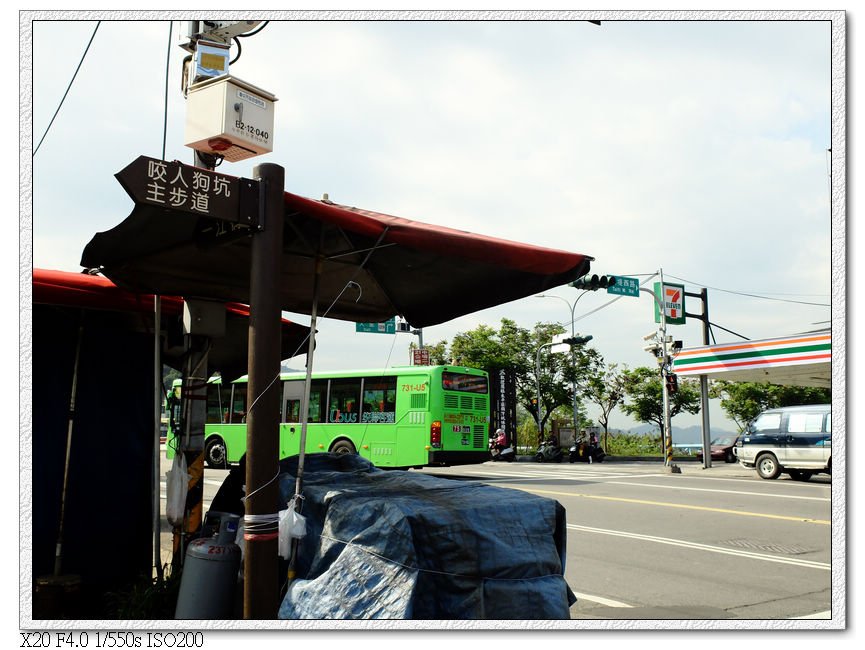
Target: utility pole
<point x="217" y="128"/>
<point x="261" y="567"/>
<point x="662" y="353"/>
<point x="193" y="397"/>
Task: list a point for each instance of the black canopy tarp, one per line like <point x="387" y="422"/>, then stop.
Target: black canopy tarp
<point x="427" y="274"/>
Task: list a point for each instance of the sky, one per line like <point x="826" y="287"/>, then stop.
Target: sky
<point x="699" y="148"/>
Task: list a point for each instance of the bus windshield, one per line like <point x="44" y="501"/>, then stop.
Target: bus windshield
<point x="465" y="383"/>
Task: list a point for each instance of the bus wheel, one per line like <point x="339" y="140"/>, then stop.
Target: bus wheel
<point x="214" y="453"/>
<point x="767" y="466"/>
<point x="343" y="447"/>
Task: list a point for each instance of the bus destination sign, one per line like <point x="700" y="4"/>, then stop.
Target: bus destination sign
<point x="175" y="186"/>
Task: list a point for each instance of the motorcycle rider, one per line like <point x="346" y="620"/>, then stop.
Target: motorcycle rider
<point x="499" y="447"/>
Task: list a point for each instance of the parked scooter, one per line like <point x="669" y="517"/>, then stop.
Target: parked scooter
<point x="586" y="452"/>
<point x="549" y="452"/>
<point x="500" y="450"/>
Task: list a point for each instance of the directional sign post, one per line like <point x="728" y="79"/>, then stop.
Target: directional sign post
<point x="385" y="327"/>
<point x="178" y="187"/>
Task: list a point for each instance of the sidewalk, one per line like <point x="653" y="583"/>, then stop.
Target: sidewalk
<point x="687" y="465"/>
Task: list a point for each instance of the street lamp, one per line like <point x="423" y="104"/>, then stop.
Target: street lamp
<point x="571" y="342"/>
<point x="572" y="306"/>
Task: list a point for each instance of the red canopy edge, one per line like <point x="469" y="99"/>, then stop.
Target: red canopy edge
<point x="97" y="292"/>
<point x="423" y="236"/>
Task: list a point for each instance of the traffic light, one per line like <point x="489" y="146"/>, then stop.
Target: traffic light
<point x="577" y="340"/>
<point x="594" y="282"/>
<point x="672" y="383"/>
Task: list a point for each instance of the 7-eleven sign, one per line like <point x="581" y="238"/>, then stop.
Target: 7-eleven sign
<point x="673" y="298"/>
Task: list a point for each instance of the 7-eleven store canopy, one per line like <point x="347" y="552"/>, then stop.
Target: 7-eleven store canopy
<point x="802" y="360"/>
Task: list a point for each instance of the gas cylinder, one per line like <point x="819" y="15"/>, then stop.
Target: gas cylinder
<point x="209" y="581"/>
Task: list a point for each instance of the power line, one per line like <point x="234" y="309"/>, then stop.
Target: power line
<point x="98" y="22"/>
<point x="752" y="295"/>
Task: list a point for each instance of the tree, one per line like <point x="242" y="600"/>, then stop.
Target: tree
<point x="516" y="348"/>
<point x="606" y="389"/>
<point x="643" y="389"/>
<point x="743" y="401"/>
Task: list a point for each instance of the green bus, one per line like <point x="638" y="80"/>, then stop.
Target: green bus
<point x="411" y="416"/>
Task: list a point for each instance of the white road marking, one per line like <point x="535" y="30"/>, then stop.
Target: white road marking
<point x="705" y="547"/>
<point x="680" y="488"/>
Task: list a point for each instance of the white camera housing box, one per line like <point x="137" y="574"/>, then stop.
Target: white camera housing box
<point x="230" y="118"/>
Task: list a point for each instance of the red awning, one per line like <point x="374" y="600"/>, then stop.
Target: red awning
<point x="228" y="353"/>
<point x="373" y="266"/>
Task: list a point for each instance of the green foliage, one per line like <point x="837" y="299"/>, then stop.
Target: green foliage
<point x="743" y="401"/>
<point x="644" y="393"/>
<point x="632" y="444"/>
<point x="516" y="348"/>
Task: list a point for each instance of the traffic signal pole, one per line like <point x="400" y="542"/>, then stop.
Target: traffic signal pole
<point x="704" y="380"/>
<point x="664" y="360"/>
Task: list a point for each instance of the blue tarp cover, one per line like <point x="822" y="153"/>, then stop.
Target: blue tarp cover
<point x="403" y="545"/>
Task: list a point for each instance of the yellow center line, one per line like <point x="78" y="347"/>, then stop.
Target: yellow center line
<point x="664" y="504"/>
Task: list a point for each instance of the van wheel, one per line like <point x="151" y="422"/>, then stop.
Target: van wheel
<point x="215" y="454"/>
<point x="731" y="457"/>
<point x="799" y="475"/>
<point x="343" y="447"/>
<point x="767" y="466"/>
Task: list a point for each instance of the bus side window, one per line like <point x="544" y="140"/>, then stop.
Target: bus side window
<point x="379" y="400"/>
<point x="344" y="397"/>
<point x="217" y="399"/>
<point x="292" y="410"/>
<point x="317" y="400"/>
<point x="238" y="404"/>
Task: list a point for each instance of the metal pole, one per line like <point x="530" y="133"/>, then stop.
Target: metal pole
<point x="261" y="579"/>
<point x="704" y="387"/>
<point x="193" y="415"/>
<point x="538" y="381"/>
<point x="573" y="354"/>
<point x="58" y="549"/>
<point x="668" y="434"/>
<point x="574" y="363"/>
<point x="307" y="386"/>
<point x="157" y="421"/>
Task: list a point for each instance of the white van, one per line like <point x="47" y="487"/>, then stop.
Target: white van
<point x="796" y="440"/>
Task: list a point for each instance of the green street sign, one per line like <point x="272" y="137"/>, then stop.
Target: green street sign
<point x="625" y="286"/>
<point x="386" y="327"/>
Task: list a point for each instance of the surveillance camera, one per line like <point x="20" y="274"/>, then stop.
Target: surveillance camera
<point x="650" y="336"/>
<point x="224" y="30"/>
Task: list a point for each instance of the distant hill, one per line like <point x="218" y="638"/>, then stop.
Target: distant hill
<point x="682" y="435"/>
